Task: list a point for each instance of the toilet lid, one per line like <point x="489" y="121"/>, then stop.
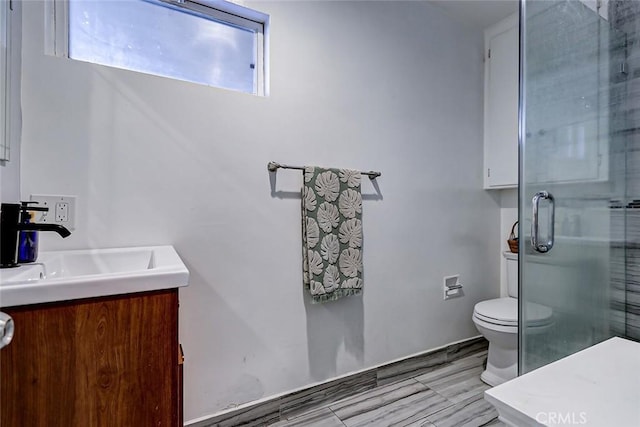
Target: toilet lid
<point x="504" y="311"/>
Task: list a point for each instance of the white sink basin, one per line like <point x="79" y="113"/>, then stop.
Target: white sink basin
<point x="24" y="273"/>
<point x="67" y="275"/>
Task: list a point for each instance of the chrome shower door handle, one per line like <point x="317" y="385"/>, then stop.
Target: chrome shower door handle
<point x="6" y="329"/>
<point x="535" y="236"/>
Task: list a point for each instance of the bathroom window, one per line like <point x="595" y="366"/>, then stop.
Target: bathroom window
<point x="215" y="43"/>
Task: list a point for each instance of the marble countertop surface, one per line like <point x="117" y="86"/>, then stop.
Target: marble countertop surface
<point x="598" y="386"/>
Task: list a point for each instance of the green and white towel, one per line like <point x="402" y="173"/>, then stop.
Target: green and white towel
<point x="332" y="233"/>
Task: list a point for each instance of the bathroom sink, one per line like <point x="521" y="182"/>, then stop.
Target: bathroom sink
<point x="25" y="273"/>
<point x="67" y="275"/>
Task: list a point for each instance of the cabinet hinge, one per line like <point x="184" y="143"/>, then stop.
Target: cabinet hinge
<point x="489" y="54"/>
<point x="488" y="172"/>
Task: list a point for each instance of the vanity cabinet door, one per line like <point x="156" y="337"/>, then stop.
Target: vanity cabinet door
<point x="102" y="362"/>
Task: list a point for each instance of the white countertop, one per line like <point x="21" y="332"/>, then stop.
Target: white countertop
<point x="596" y="387"/>
<point x="68" y="275"/>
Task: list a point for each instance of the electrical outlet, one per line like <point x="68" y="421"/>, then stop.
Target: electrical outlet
<point x="62" y="210"/>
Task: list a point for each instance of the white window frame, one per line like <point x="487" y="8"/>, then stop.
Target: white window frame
<point x="57" y="28"/>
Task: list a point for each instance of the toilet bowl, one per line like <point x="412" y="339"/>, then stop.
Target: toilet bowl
<point x="497" y="321"/>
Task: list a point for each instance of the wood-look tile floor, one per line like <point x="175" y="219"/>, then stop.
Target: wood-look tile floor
<point x="449" y="396"/>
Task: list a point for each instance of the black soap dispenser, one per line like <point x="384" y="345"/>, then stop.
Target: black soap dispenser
<point x="28" y="240"/>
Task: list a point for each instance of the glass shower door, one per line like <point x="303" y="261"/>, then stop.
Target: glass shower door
<point x="570" y="164"/>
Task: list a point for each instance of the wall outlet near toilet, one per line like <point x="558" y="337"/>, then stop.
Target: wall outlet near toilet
<point x="62" y="210"/>
<point x="452" y="287"/>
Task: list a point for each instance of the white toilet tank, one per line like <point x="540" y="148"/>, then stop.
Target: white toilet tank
<point x="512" y="273"/>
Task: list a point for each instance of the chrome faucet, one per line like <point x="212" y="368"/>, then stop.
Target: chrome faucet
<point x="10" y="227"/>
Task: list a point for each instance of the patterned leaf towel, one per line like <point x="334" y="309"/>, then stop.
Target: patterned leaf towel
<point x="332" y="233"/>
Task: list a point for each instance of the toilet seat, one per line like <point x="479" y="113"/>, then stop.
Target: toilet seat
<point x="504" y="312"/>
<point x="508" y="330"/>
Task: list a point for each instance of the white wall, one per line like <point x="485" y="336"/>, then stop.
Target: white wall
<point x="388" y="86"/>
<point x="508" y="215"/>
<point x="10" y="179"/>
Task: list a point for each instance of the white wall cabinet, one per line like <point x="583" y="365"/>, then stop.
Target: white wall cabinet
<point x="10" y="62"/>
<point x="5" y="51"/>
<point x="501" y="104"/>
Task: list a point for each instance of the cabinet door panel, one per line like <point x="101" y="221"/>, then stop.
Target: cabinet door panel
<point x="106" y="362"/>
<point x="37" y="370"/>
<point x="501" y="141"/>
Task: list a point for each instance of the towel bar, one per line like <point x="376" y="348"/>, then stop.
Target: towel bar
<point x="273" y="166"/>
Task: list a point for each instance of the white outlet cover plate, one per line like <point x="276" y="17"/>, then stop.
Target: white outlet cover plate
<point x="50" y="201"/>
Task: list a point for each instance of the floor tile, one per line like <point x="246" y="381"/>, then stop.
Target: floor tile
<point x="445" y="393"/>
<point x="475" y="359"/>
<point x="424" y="422"/>
<point x="463" y="349"/>
<point x="411" y="367"/>
<point x="319" y="418"/>
<point x="457" y="381"/>
<point x="397" y="404"/>
<point x="307" y="400"/>
<point x="377" y="397"/>
<point x="256" y="415"/>
<point x="495" y="423"/>
<point x="472" y="412"/>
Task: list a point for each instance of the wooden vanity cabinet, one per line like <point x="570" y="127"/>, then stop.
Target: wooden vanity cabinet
<point x="108" y="361"/>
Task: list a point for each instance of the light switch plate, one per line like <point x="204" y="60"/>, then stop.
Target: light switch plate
<point x="62" y="210"/>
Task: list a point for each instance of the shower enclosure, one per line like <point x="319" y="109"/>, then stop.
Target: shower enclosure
<point x="579" y="175"/>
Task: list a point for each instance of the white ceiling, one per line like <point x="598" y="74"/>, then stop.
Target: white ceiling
<point x="478" y="13"/>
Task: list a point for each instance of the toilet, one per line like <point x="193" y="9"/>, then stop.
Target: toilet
<point x="497" y="321"/>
